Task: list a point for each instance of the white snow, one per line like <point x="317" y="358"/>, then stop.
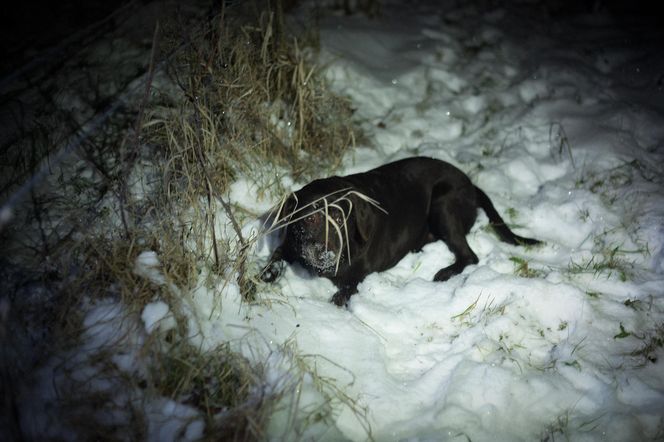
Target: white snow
<point x="171" y="421"/>
<point x="561" y="123"/>
<point x="147" y="266"/>
<point x="157" y="315"/>
<point x="571" y="154"/>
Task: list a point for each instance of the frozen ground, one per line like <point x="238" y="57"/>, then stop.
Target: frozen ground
<point x="562" y="125"/>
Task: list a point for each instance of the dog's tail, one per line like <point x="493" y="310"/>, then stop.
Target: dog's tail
<point x="499" y="226"/>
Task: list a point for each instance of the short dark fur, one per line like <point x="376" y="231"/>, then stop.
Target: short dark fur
<point x="425" y="200"/>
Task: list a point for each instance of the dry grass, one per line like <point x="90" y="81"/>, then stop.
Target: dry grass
<point x="249" y="98"/>
<point x="221" y="384"/>
<point x="247" y="103"/>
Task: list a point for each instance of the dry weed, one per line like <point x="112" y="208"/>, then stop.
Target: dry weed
<point x="248" y="102"/>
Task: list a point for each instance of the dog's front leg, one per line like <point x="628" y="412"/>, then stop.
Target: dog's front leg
<point x="275" y="266"/>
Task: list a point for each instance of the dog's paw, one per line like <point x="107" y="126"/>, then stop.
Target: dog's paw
<point x="454" y="269"/>
<point x="272" y="271"/>
<point x="340" y="299"/>
<point x="445" y="274"/>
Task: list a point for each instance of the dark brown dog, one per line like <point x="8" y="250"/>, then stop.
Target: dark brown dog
<point x="344" y="228"/>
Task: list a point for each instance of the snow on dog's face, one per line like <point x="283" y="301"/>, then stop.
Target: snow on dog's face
<point x="319" y="236"/>
<point x="323" y="231"/>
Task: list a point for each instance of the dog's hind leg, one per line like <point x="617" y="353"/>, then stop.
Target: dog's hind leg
<point x="450" y="219"/>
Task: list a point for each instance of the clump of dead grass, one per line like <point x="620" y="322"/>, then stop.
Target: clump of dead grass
<point x="249" y="103"/>
<point x="250" y="97"/>
<point x="171" y="384"/>
<point x="223" y="386"/>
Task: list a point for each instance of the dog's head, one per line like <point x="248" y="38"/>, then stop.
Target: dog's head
<point x="326" y="226"/>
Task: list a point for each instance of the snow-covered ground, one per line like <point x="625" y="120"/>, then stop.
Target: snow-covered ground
<point x="561" y="122"/>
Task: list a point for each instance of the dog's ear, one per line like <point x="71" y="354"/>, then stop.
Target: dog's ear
<point x="364" y="220"/>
